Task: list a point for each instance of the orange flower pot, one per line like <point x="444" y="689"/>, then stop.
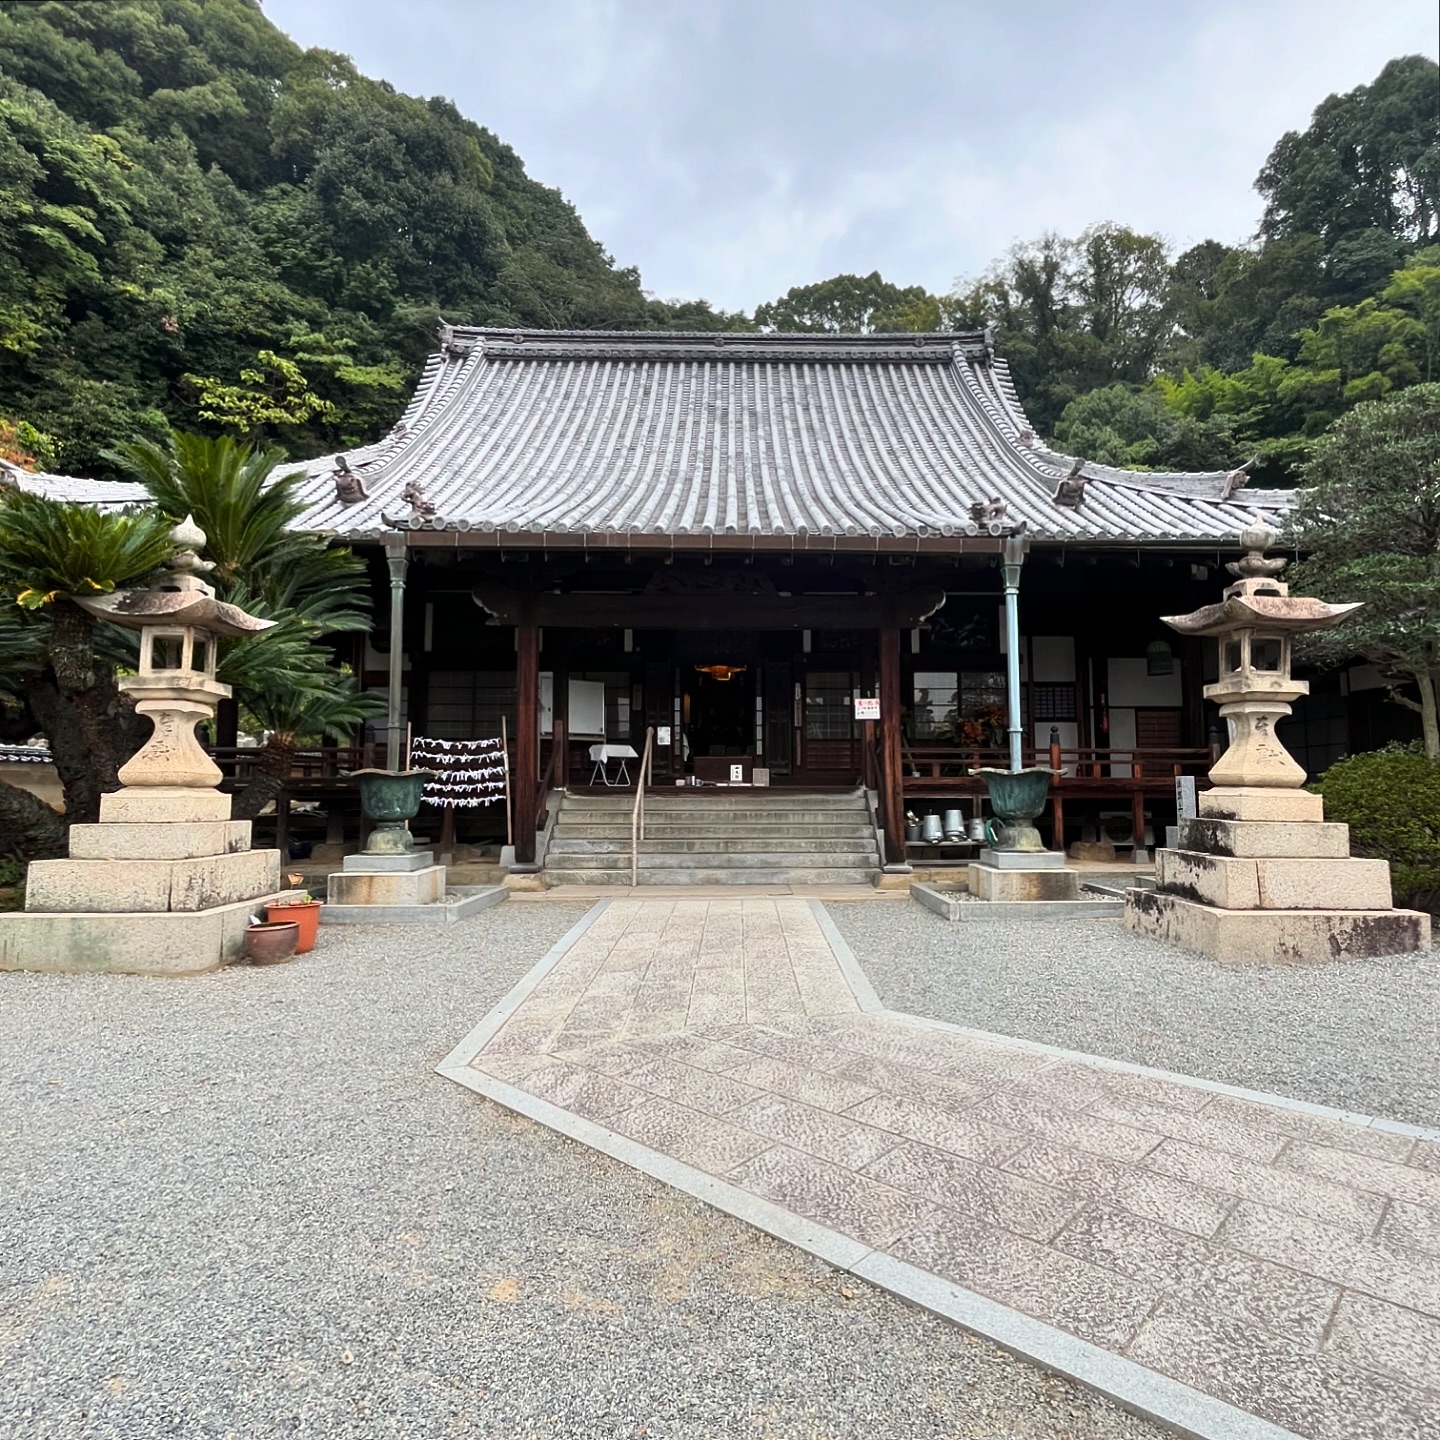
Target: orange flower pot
<point x="304" y="913"/>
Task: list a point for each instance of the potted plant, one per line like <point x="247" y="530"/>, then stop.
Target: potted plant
<point x="304" y="909"/>
<point x="271" y="943"/>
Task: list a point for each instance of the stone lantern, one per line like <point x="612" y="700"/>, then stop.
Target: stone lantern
<point x="1259" y="874"/>
<point x="180" y="622"/>
<point x="1254" y="624"/>
<point x="166" y="883"/>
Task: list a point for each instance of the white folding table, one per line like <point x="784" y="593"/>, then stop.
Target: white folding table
<point x="603" y="754"/>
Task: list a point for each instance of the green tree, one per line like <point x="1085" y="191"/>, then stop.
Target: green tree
<point x="1074" y="315"/>
<point x="851" y="304"/>
<point x="51" y="556"/>
<point x="184" y="192"/>
<point x="1370" y="160"/>
<point x="1369" y="519"/>
<point x="1133" y="427"/>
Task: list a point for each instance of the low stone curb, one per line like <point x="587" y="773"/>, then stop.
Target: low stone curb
<point x="990" y="911"/>
<point x="460" y="903"/>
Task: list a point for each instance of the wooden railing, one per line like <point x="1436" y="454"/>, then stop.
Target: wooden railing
<point x="555" y="767"/>
<point x="935" y="760"/>
<point x="1128" y="774"/>
<point x="326" y="762"/>
<point x="637" y="810"/>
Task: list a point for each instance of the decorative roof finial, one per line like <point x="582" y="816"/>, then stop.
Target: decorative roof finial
<point x="189" y="540"/>
<point x="1256" y="540"/>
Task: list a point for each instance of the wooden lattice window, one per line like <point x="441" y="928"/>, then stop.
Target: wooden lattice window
<point x="1052" y="700"/>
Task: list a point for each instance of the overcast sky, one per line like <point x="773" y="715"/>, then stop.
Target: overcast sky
<point x="734" y="148"/>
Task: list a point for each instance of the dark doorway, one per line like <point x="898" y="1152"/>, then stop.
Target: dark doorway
<point x="722" y="710"/>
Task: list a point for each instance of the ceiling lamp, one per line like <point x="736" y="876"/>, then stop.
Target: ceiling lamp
<point x="721" y="672"/>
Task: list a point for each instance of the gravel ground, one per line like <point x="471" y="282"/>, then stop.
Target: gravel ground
<point x="244" y="1206"/>
<point x="1361" y="1035"/>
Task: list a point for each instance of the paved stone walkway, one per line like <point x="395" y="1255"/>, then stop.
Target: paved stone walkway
<point x="1171" y="1242"/>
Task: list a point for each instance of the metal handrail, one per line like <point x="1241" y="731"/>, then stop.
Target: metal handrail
<point x="637" y="811"/>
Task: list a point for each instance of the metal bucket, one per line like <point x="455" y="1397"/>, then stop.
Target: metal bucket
<point x="931" y="831"/>
<point x="954" y="825"/>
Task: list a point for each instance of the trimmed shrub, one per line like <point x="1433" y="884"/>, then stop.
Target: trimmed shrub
<point x="1390" y="799"/>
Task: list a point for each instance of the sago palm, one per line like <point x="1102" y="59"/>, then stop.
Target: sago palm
<point x="230" y="489"/>
<point x="52" y="554"/>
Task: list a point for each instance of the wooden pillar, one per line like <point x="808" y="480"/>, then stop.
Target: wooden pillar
<point x="1192" y="682"/>
<point x="398" y="561"/>
<point x="527" y="738"/>
<point x="1057" y="800"/>
<point x="558" y="651"/>
<point x="892" y="790"/>
<point x="1140" y="855"/>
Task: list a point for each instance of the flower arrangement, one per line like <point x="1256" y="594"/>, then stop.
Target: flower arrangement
<point x="971" y="731"/>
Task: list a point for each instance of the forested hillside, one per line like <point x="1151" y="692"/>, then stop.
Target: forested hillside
<point x="202" y="223"/>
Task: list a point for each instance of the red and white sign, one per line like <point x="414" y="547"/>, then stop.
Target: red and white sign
<point x="867" y="707"/>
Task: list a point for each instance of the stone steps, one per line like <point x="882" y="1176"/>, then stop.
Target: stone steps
<point x="719" y="860"/>
<point x="750" y="838"/>
<point x="754" y="876"/>
<point x="858" y="834"/>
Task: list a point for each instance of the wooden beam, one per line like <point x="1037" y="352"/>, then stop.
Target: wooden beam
<point x="527" y="738"/>
<point x="718" y="610"/>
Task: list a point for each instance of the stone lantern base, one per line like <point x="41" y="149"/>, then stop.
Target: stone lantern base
<point x="167" y="892"/>
<point x="1260" y="875"/>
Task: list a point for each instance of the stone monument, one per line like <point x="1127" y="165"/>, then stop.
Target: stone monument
<point x="166" y="883"/>
<point x="1259" y="874"/>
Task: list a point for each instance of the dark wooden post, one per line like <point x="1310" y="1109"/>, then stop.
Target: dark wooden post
<point x="1057" y="801"/>
<point x="527" y="738"/>
<point x="1140" y="855"/>
<point x="892" y="782"/>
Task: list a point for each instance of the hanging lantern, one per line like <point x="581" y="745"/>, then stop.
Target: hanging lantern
<point x="1159" y="658"/>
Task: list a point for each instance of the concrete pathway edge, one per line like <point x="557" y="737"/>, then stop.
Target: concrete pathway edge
<point x="871" y="1004"/>
<point x="1154" y="1396"/>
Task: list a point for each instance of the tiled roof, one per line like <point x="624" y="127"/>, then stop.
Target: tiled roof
<point x="606" y="439"/>
<point x="108" y="494"/>
<point x="731" y="440"/>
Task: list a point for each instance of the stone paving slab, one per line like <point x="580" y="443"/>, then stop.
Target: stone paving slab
<point x="1233" y="1264"/>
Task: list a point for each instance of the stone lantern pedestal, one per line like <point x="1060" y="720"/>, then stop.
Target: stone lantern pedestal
<point x="166" y="883"/>
<point x="1259" y="874"/>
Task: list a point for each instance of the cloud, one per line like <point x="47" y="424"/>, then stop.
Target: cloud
<point x="732" y="150"/>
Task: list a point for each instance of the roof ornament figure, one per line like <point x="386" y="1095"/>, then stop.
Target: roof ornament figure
<point x="414" y="496"/>
<point x="1070" y="492"/>
<point x="988" y="512"/>
<point x="349" y="486"/>
<point x="1238" y="478"/>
